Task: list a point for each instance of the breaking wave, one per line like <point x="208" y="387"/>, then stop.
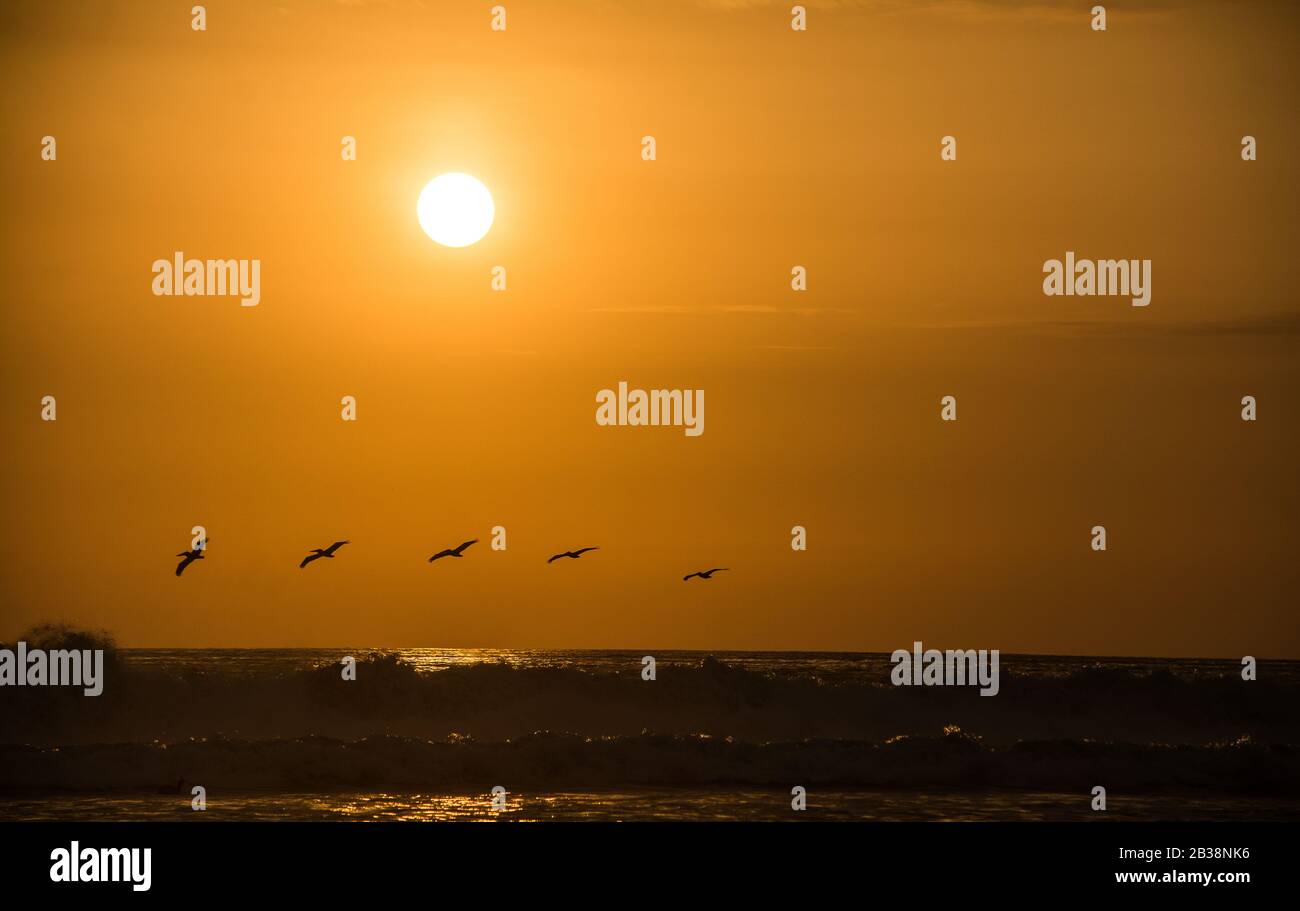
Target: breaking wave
<point x="709" y="723"/>
<point x="551" y="761"/>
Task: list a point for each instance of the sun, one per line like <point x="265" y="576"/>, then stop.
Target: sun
<point x="455" y="209"/>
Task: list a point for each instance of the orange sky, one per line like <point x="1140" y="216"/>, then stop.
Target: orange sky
<point x="476" y="408"/>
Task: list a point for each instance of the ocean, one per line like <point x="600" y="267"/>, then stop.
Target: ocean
<point x="426" y="734"/>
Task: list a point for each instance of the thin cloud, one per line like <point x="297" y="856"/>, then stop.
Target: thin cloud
<point x="955" y="9"/>
<point x="1268" y="324"/>
<point x="724" y="308"/>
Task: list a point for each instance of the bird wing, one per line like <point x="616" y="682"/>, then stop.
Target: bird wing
<point x="720" y="569"/>
<point x="556" y="557"/>
<point x="688" y="578"/>
<point x="581" y="551"/>
<point x="441" y="553"/>
<point x="465" y="545"/>
<point x="307" y="559"/>
<point x="180" y="568"/>
<point x="335" y="546"/>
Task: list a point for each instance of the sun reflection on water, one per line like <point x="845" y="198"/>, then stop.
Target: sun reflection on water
<point x="629" y="805"/>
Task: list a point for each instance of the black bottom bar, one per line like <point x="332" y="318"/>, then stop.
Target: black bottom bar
<point x="327" y="860"/>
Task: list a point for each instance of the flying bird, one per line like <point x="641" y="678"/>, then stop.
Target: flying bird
<point x="453" y="552"/>
<point x="317" y="553"/>
<point x="705" y="573"/>
<point x="190" y="556"/>
<point x="572" y="554"/>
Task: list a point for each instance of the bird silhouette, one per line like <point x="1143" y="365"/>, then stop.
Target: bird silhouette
<point x="572" y="554"/>
<point x="453" y="552"/>
<point x="317" y="553"/>
<point x="190" y="556"/>
<point x="705" y="573"/>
